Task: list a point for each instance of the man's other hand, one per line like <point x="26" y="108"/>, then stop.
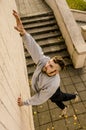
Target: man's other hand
<point x="20" y="102"/>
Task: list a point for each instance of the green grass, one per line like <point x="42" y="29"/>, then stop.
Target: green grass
<point x="77" y="4"/>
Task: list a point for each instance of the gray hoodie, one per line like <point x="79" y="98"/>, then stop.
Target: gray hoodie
<point x="42" y="84"/>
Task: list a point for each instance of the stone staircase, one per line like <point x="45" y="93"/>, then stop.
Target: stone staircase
<point x="44" y="29"/>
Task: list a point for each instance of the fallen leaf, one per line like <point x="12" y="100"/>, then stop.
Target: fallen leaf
<point x="75" y="117"/>
<point x="53" y="128"/>
<point x="79" y="125"/>
<point x="66" y="116"/>
<point x="75" y="123"/>
<point x="35" y="112"/>
<point x="60" y="116"/>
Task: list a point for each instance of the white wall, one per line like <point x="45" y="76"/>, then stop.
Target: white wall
<point x="13" y="74"/>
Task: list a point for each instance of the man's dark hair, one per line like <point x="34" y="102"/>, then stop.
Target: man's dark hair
<point x="59" y="60"/>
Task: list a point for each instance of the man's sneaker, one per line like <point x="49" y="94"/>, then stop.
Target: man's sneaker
<point x="64" y="111"/>
<point x="77" y="97"/>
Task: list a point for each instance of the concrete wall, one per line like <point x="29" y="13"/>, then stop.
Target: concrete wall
<point x="79" y="15"/>
<point x="13" y="74"/>
<point x="73" y="38"/>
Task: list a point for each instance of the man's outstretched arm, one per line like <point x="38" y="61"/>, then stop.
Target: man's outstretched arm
<point x="33" y="48"/>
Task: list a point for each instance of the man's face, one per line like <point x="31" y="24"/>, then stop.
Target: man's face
<point x="51" y="68"/>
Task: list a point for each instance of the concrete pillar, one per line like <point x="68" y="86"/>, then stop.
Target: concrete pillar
<point x="83" y="30"/>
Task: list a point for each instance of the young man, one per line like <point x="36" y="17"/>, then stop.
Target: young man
<point x="46" y="79"/>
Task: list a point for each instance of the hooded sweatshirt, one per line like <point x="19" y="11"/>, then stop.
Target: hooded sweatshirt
<point x="42" y="84"/>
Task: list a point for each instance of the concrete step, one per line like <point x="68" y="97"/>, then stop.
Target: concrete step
<point x="42" y="30"/>
<point x="30" y="70"/>
<point x="47" y="43"/>
<point x="39" y="37"/>
<point x="50" y="49"/>
<point x="64" y="54"/>
<point x="40" y="17"/>
<point x="40" y="24"/>
<point x="51" y="41"/>
<point x="38" y="20"/>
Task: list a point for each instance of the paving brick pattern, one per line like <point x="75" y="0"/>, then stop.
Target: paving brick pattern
<point x="46" y="116"/>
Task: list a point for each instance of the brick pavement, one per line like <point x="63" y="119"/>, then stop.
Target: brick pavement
<point x="46" y="116"/>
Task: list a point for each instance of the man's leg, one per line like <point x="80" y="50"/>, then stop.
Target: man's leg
<point x="67" y="96"/>
<point x="59" y="103"/>
<point x="57" y="98"/>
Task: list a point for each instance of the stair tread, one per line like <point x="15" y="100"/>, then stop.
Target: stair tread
<point x="40" y="24"/>
<point x="30" y="69"/>
<point x="30" y="62"/>
<point x="50" y="42"/>
<point x="42" y="30"/>
<point x="54" y="48"/>
<point x="47" y="42"/>
<point x="46" y="35"/>
<point x="49" y="49"/>
<point x="37" y="18"/>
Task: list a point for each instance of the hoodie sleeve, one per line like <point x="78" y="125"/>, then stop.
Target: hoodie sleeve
<point x="41" y="97"/>
<point x="33" y="48"/>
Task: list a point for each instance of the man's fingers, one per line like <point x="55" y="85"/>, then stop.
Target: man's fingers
<point x="19" y="98"/>
<point x="17" y="28"/>
<point x="14" y="11"/>
<point x="16" y="15"/>
<point x="19" y="101"/>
